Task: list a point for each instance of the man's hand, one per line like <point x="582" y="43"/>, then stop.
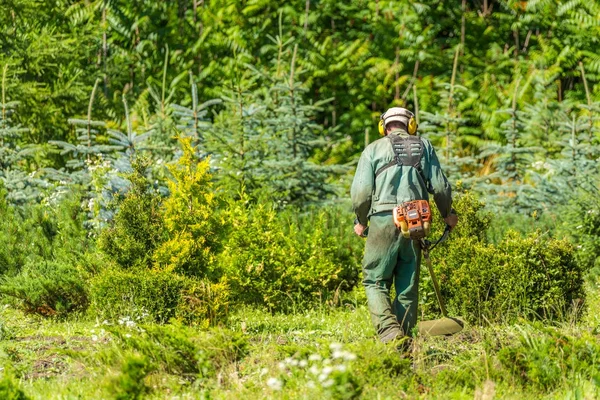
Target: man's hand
<point x="359" y="229"/>
<point x="451" y="220"/>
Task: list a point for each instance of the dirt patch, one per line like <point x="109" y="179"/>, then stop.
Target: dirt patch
<point x="47" y="367"/>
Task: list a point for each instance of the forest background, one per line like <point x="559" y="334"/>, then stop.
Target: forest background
<point x="171" y="170"/>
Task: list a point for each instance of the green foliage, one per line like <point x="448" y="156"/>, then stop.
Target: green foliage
<point x="532" y="276"/>
<point x="188" y="218"/>
<point x="136" y="292"/>
<point x="43" y="232"/>
<point x="138" y="226"/>
<point x="182" y="351"/>
<point x="581" y="223"/>
<point x="10" y="390"/>
<point x="542" y="360"/>
<point x="130" y="385"/>
<point x="48" y="288"/>
<point x="203" y="303"/>
<point x="158" y="295"/>
<point x="280" y="260"/>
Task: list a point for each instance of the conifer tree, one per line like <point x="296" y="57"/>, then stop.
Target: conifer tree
<point x="193" y="121"/>
<point x="294" y="136"/>
<point x="508" y="185"/>
<point x="237" y="137"/>
<point x="21" y="186"/>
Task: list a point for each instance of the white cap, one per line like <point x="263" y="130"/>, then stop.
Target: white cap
<point x="397" y="114"/>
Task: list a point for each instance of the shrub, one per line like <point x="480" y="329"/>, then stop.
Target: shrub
<point x="203" y="303"/>
<point x="49" y="288"/>
<point x="280" y="260"/>
<point x="138" y="226"/>
<point x="532" y="276"/>
<point x="189" y="218"/>
<point x="159" y="295"/>
<point x="581" y="223"/>
<point x="118" y="293"/>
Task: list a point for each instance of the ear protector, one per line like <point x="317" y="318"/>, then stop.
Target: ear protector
<point x="411" y="126"/>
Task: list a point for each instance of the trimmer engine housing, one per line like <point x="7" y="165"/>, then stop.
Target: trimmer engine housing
<point x="413" y="218"/>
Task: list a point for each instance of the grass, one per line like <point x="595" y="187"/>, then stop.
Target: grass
<point x="319" y="353"/>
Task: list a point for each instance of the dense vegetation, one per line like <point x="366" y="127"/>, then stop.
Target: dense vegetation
<point x="174" y="178"/>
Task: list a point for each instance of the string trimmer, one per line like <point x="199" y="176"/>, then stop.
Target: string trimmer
<point x="446" y="325"/>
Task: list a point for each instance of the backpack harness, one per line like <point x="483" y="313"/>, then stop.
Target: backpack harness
<point x="408" y="151"/>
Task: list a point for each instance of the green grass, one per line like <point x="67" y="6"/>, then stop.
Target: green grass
<point x="322" y="353"/>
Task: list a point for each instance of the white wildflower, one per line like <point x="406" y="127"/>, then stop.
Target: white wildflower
<point x="314" y="357"/>
<point x="314" y="370"/>
<point x="303" y="363"/>
<point x="341" y="368"/>
<point x="328" y="383"/>
<point x="275" y="384"/>
<point x="335" y="347"/>
<point x="94" y="338"/>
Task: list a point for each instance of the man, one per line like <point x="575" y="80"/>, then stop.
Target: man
<point x="388" y="175"/>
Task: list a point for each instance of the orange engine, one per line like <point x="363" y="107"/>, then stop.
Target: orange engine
<point x="413" y="218"/>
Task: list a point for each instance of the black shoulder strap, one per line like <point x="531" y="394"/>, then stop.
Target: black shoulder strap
<point x="408" y="151"/>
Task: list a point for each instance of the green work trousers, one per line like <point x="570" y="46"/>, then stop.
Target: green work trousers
<point x="389" y="257"/>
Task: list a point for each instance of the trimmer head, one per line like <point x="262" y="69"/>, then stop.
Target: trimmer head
<point x="441" y="327"/>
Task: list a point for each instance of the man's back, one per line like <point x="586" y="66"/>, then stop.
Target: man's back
<point x="396" y="184"/>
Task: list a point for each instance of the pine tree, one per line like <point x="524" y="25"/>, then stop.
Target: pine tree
<point x="21" y="186"/>
<point x="192" y="121"/>
<point x="237" y="139"/>
<point x="294" y="136"/>
<point x="510" y="185"/>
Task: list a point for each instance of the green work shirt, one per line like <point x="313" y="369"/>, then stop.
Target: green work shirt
<point x="397" y="184"/>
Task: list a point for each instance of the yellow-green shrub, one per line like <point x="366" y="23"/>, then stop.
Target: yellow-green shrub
<point x="188" y="215"/>
<point x="203" y="303"/>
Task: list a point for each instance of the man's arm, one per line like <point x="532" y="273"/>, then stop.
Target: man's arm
<point x="439" y="185"/>
<point x="362" y="188"/>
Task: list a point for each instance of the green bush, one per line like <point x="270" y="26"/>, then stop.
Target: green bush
<point x="138" y="225"/>
<point x="117" y="293"/>
<point x="49" y="288"/>
<point x="203" y="303"/>
<point x="580" y="222"/>
<point x="159" y="295"/>
<point x="533" y="276"/>
<point x="280" y="260"/>
<point x="39" y="232"/>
